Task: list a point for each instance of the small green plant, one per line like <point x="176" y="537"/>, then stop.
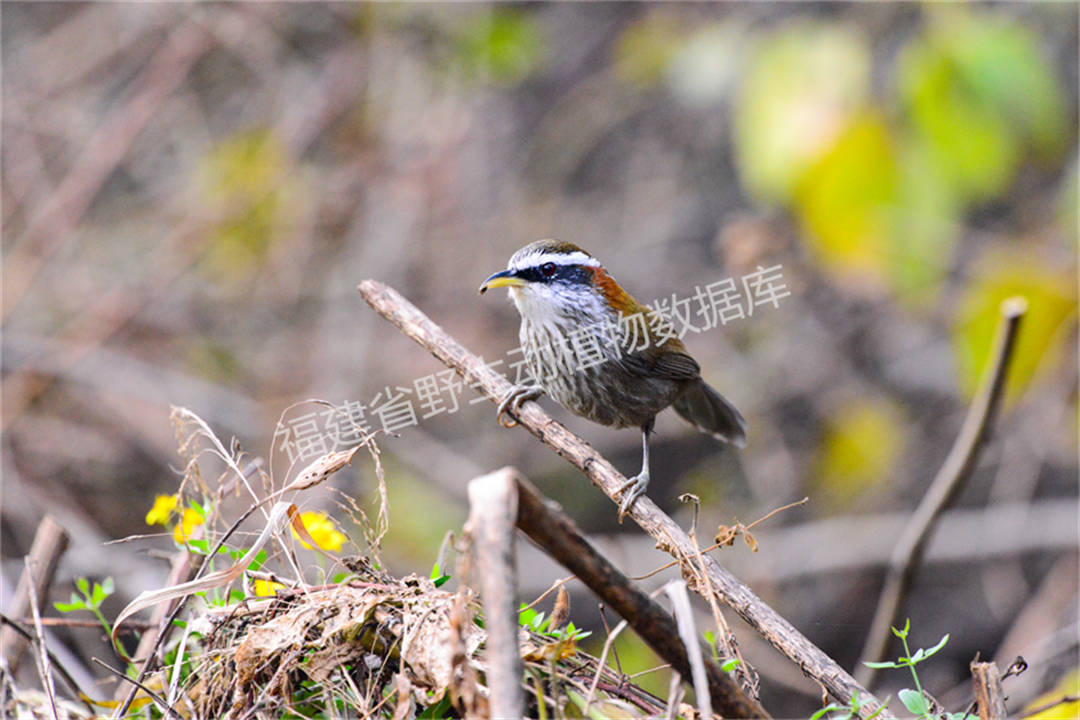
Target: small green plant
<point x="850" y="711"/>
<point x="727" y="665"/>
<point x="539" y="623"/>
<point x="437" y="576"/>
<point x="916" y="701"/>
<point x="93" y="597"/>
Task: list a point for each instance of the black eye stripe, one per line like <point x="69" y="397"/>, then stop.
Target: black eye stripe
<point x="561" y="273"/>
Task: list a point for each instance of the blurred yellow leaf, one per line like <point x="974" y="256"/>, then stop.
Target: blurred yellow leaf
<point x="1051" y="295"/>
<point x="843" y="198"/>
<point x="861" y="443"/>
<point x="803" y="84"/>
<point x="1069" y="685"/>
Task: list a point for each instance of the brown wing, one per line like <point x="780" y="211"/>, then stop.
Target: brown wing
<point x="663" y="363"/>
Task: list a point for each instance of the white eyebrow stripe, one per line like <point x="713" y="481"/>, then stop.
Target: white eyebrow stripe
<point x="574" y="258"/>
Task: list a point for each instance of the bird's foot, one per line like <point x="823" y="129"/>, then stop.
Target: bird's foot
<point x="631" y="491"/>
<point x="512" y="402"/>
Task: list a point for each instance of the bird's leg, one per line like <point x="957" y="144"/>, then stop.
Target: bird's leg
<point x="512" y="402"/>
<point x="636" y="485"/>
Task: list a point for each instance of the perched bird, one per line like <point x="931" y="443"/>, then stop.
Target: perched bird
<point x="601" y="354"/>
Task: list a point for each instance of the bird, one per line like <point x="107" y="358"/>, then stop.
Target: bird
<point x="636" y="365"/>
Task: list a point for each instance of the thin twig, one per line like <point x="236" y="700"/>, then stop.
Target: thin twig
<point x="668" y="535"/>
<point x="943" y="490"/>
<point x="132" y="625"/>
<point x="54" y="662"/>
<point x="716" y="545"/>
<point x="557" y="585"/>
<point x="43" y="664"/>
<point x="165" y="707"/>
<point x="684" y="619"/>
<point x="50" y="542"/>
<point x="556" y="533"/>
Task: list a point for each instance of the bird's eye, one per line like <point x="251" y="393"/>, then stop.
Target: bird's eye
<point x="547" y="269"/>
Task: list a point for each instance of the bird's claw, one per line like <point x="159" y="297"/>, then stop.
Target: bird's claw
<point x="512" y="402"/>
<point x="633" y="489"/>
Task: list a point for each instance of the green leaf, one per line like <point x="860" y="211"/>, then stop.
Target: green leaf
<point x="260" y="558"/>
<point x="84" y="586"/>
<point x="97" y="595"/>
<point x="729" y="664"/>
<point x="881" y="665"/>
<point x="915" y="702"/>
<point x="826" y="710"/>
<point x="442" y="709"/>
<point x="108" y="586"/>
<point x="72" y="606"/>
<point x="941" y="644"/>
<point x="903" y="633"/>
<point x="199" y="547"/>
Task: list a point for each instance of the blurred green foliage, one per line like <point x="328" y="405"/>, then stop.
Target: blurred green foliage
<point x="879" y="194"/>
<point x="505" y="45"/>
<point x="803" y="84"/>
<point x="416" y="532"/>
<point x="245" y="177"/>
<point x="978" y="93"/>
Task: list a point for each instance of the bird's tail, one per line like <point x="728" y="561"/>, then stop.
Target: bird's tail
<point x="711" y="414"/>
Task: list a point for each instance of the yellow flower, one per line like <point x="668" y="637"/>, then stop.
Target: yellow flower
<point x="322" y="530"/>
<point x="188" y="522"/>
<point x="267" y="588"/>
<point x="163" y="507"/>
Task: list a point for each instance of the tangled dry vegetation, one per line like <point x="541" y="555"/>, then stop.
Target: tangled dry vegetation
<point x="363" y="645"/>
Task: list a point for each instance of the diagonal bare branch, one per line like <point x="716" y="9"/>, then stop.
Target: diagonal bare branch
<point x="668" y="535"/>
<point x="950" y="479"/>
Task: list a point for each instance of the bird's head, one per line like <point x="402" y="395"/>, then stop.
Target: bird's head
<point x="553" y="278"/>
